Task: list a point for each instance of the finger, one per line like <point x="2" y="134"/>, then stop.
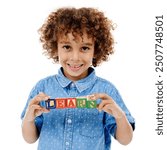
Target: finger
<point x="34" y="107"/>
<point x="40" y="97"/>
<point x="107" y="108"/>
<point x="30" y="112"/>
<point x="101" y="96"/>
<point x="91" y="97"/>
<point x="114" y="111"/>
<point x="44" y="110"/>
<point x="103" y="103"/>
<point x="36" y="110"/>
<point x="40" y="111"/>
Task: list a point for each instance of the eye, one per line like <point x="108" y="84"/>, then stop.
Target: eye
<point x="85" y="48"/>
<point x="66" y="47"/>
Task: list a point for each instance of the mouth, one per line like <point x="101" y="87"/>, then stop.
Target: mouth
<point x="75" y="67"/>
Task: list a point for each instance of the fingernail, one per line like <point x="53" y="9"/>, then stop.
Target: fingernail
<point x="47" y="97"/>
<point x="91" y="97"/>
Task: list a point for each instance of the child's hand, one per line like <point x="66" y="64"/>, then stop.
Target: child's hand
<point x="108" y="105"/>
<point x="34" y="109"/>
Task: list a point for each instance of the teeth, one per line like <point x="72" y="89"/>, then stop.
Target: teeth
<point x="75" y="66"/>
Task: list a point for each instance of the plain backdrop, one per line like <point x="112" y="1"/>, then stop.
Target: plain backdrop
<point x="131" y="68"/>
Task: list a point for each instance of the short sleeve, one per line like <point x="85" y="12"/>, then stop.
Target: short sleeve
<point x="35" y="91"/>
<point x="118" y="99"/>
<point x="110" y="120"/>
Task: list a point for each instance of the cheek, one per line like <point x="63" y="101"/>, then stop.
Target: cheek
<point x="88" y="59"/>
<point x="62" y="60"/>
<point x="61" y="56"/>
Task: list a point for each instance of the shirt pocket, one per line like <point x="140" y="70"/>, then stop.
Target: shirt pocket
<point x="91" y="123"/>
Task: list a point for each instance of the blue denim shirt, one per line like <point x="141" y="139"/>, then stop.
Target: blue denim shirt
<point x="76" y="128"/>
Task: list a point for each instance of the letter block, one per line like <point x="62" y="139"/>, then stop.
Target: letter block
<point x="50" y="104"/>
<point x="81" y="102"/>
<point x="61" y="103"/>
<point x="71" y="102"/>
<point x="91" y="104"/>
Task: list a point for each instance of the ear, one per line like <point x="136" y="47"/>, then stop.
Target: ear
<point x="55" y="59"/>
<point x="94" y="62"/>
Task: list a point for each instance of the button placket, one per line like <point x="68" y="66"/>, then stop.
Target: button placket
<point x="69" y="120"/>
<point x="68" y="129"/>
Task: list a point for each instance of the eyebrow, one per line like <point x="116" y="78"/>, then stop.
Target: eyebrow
<point x="66" y="42"/>
<point x="88" y="44"/>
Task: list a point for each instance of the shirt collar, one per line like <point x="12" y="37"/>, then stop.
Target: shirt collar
<point x="82" y="84"/>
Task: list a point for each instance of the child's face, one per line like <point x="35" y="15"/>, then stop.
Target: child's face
<point x="75" y="55"/>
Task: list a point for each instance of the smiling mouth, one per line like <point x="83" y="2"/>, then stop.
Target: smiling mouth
<point x="75" y="67"/>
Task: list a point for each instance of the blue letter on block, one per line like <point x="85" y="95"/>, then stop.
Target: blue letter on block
<point x="50" y="104"/>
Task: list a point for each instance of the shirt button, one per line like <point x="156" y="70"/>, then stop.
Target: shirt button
<point x="67" y="143"/>
<point x="69" y="121"/>
<point x="72" y="85"/>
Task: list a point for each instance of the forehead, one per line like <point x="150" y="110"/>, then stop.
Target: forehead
<point x="73" y="36"/>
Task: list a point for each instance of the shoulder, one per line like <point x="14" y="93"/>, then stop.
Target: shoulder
<point x="105" y="85"/>
<point x="105" y="82"/>
<point x="43" y="84"/>
<point x="46" y="80"/>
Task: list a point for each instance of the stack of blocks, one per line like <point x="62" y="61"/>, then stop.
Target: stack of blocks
<point x="61" y="103"/>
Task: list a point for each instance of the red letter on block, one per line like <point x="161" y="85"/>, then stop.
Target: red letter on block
<point x="61" y="103"/>
<point x="71" y="102"/>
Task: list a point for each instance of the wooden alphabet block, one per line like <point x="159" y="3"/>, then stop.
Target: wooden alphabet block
<point x="91" y="104"/>
<point x="81" y="102"/>
<point x="50" y="104"/>
<point x="61" y="103"/>
<point x="71" y="102"/>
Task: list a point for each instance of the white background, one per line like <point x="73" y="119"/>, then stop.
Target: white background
<point x="131" y="68"/>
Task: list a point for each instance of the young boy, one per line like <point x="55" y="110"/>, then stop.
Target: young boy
<point x="77" y="39"/>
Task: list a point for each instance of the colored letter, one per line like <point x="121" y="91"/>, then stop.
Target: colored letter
<point x="50" y="104"/>
<point x="71" y="102"/>
<point x="61" y="103"/>
<point x="91" y="104"/>
<point x="81" y="102"/>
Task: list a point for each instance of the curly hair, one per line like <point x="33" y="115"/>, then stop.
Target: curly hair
<point x="66" y="20"/>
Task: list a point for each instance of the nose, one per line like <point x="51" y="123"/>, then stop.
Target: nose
<point x="75" y="56"/>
